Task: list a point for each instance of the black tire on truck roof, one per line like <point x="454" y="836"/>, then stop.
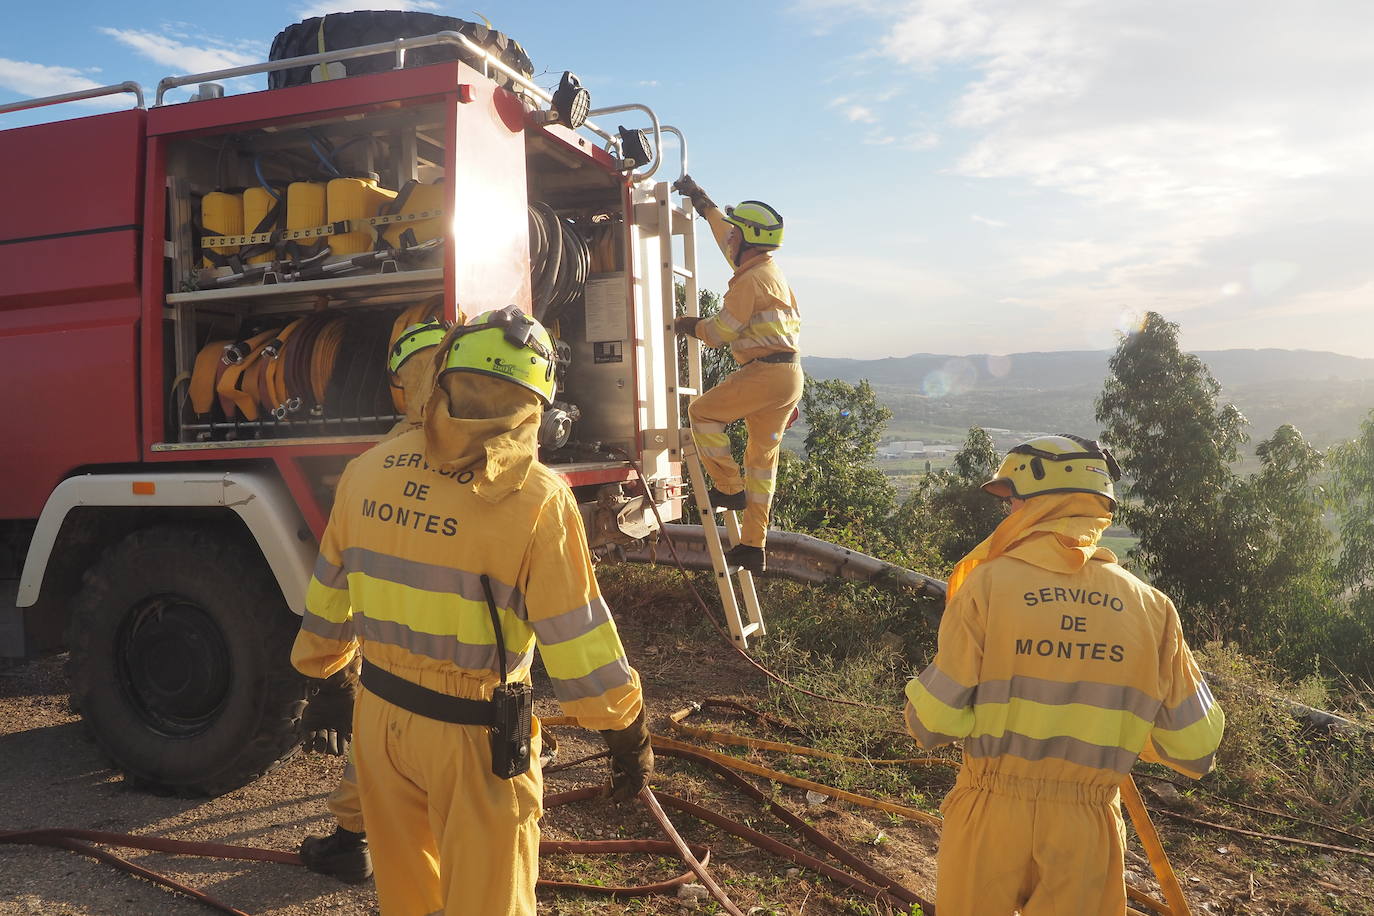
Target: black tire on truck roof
<point x="365" y="27"/>
<point x="181" y="660"/>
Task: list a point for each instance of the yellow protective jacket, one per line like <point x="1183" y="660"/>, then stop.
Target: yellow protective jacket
<point x="1055" y="663"/>
<point x="399" y="570"/>
<point x="759" y="315"/>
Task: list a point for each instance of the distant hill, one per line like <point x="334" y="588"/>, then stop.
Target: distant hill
<point x="1076" y="368"/>
<point x="937" y="397"/>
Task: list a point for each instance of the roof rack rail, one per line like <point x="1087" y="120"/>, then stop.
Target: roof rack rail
<point x="399" y="47"/>
<point x="78" y="95"/>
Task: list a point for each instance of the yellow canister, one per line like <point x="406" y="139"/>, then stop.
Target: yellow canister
<point x="355" y="198"/>
<point x="305" y="207"/>
<point x="422" y="197"/>
<point x="221" y="214"/>
<point x="257" y="203"/>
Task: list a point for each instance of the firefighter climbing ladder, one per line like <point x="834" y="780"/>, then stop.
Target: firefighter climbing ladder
<point x="742" y="614"/>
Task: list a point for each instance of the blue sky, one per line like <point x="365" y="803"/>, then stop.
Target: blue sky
<point x="958" y="176"/>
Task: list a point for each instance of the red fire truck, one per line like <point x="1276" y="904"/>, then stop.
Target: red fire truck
<point x="196" y="306"/>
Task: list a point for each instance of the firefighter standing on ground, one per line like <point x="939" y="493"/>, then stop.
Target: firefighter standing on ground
<point x="344" y="854"/>
<point x="760" y="321"/>
<point x="422" y="525"/>
<point x="1056" y="668"/>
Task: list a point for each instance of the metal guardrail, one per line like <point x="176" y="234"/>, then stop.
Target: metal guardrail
<point x="77" y="96"/>
<point x="682" y="147"/>
<point x="658" y="134"/>
<point x="399" y="47"/>
<point x="801" y="558"/>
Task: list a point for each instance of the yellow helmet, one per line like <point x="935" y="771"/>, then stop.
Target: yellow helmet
<point x="510" y="345"/>
<point x="413" y="339"/>
<point x="1056" y="464"/>
<point x="759" y="223"/>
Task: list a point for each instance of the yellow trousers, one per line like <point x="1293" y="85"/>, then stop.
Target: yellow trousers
<point x="344" y="802"/>
<point x="446" y="835"/>
<point x="763" y="395"/>
<point x="1039" y="847"/>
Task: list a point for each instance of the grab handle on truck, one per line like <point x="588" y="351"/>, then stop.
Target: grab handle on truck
<point x="79" y="95"/>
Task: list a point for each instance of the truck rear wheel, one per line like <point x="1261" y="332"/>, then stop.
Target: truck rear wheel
<point x="181" y="660"/>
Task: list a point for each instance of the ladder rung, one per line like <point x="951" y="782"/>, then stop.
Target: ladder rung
<point x="689" y="391"/>
<point x="682" y="272"/>
<point x="750" y="629"/>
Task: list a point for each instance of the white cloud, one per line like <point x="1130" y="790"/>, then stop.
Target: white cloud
<point x="860" y="114"/>
<point x="31" y="80"/>
<point x="1121" y="103"/>
<point x="988" y="221"/>
<point x="1168" y="151"/>
<point x="325" y="7"/>
<point x="165" y="49"/>
<point x="920" y="142"/>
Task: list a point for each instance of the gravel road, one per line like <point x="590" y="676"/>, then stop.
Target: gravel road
<point x="53" y="776"/>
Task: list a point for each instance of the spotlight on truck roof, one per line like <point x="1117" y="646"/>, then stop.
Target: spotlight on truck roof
<point x="571" y="101"/>
<point x="634" y="148"/>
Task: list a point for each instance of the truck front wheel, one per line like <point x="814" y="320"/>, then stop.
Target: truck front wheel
<point x="181" y="660"/>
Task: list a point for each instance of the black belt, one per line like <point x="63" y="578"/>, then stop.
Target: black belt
<point x="425" y="702"/>
<point x="789" y="357"/>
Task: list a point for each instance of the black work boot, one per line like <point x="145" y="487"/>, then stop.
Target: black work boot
<point x="721" y="500"/>
<point x="343" y="855"/>
<point x="746" y="557"/>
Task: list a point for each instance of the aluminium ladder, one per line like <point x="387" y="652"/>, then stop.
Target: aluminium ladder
<point x="742" y="613"/>
<point x="751" y="622"/>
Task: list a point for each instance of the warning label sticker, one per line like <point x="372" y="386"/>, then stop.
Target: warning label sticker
<point x="607" y="312"/>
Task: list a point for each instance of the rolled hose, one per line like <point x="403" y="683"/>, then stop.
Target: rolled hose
<point x="560" y="261"/>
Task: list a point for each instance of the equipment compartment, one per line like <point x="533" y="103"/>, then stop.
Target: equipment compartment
<point x="297" y="253"/>
<point x="293" y="251"/>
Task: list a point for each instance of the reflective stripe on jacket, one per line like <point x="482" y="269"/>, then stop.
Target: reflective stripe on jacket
<point x="400" y="569"/>
<point x="1064" y="676"/>
<point x="759" y="314"/>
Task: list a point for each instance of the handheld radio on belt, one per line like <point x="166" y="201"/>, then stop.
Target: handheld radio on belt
<point x="511" y="708"/>
<point x="508" y="715"/>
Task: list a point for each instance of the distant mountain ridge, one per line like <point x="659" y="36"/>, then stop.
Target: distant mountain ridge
<point x="1043" y="371"/>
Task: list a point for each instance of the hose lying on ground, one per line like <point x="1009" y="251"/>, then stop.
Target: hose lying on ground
<point x="80" y="841"/>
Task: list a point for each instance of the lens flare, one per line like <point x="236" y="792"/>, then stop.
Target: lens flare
<point x="1130" y="322"/>
<point x="956" y="376"/>
<point x="999" y="366"/>
<point x="1268" y="277"/>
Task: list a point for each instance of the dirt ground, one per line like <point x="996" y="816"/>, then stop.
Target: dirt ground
<point x="51" y="776"/>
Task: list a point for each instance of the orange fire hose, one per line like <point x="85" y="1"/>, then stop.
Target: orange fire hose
<point x="80" y="841"/>
<point x="678" y="724"/>
<point x="1176" y="905"/>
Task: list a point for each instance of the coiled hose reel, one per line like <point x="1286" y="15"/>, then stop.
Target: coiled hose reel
<point x="560" y="262"/>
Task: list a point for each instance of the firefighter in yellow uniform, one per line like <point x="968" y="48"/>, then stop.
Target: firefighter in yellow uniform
<point x="451" y="552"/>
<point x="1056" y="669"/>
<point x="760" y="321"/>
<point x="344" y="854"/>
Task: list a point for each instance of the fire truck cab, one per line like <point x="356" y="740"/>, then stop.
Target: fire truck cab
<point x="197" y="306"/>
